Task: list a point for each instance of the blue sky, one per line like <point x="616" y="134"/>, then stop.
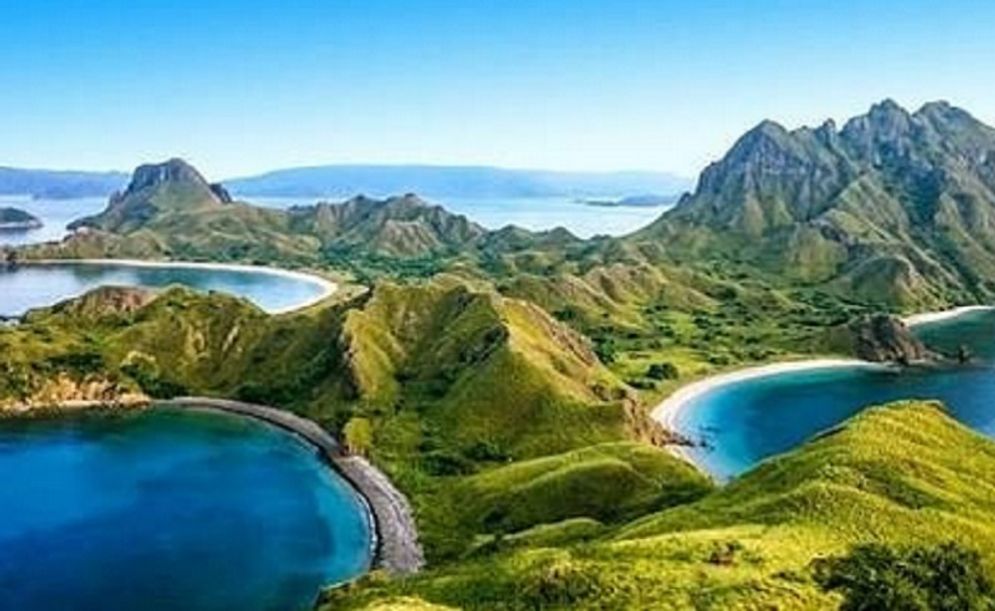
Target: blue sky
<point x="240" y="87"/>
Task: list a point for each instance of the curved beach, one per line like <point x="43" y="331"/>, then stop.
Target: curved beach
<point x="668" y="411"/>
<point x="327" y="286"/>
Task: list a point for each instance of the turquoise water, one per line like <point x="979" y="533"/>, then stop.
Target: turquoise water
<point x="32" y="286"/>
<point x="169" y="509"/>
<point x="745" y="422"/>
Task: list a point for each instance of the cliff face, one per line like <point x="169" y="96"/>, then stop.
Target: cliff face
<point x="895" y="207"/>
<point x="880" y="338"/>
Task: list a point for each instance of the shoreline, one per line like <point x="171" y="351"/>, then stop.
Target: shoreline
<point x="926" y="318"/>
<point x="668" y="411"/>
<point x="395" y="544"/>
<point x="328" y="288"/>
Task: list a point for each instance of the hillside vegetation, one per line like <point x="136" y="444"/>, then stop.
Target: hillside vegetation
<point x="904" y="474"/>
<point x="424" y="370"/>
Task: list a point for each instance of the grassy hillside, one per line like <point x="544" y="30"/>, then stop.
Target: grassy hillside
<point x="901" y="474"/>
<point x="449" y="379"/>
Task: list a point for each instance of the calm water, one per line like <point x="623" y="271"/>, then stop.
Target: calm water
<point x="170" y="510"/>
<point x="745" y="422"/>
<point x="54" y="213"/>
<point x="535" y="213"/>
<point x="35" y="286"/>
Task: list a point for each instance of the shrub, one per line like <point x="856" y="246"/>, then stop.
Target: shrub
<point x="662" y="371"/>
<point x="876" y="576"/>
<point x="358" y="435"/>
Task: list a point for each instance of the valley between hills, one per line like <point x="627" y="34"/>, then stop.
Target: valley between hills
<point x="504" y="379"/>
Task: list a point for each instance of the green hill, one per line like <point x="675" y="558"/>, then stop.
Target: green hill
<point x="894" y="208"/>
<point x="451" y="379"/>
<point x="904" y="474"/>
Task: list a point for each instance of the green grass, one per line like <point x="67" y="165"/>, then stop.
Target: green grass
<point x="901" y="474"/>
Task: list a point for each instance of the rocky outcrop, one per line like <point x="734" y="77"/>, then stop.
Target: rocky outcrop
<point x="885" y="210"/>
<point x="64" y="391"/>
<point x="156" y="190"/>
<point x="880" y="338"/>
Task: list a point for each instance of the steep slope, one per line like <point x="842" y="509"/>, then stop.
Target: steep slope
<point x="484" y="368"/>
<point x="901" y="474"/>
<point x="448" y="378"/>
<point x="895" y="207"/>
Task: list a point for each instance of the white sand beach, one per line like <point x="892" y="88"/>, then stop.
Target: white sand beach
<point x="930" y="317"/>
<point x="668" y="411"/>
<point x="327" y="286"/>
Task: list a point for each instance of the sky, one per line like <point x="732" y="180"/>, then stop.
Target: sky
<point x="240" y="87"/>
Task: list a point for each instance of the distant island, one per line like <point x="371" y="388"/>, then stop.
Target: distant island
<point x="15" y="219"/>
<point x="633" y="201"/>
<point x="59" y="184"/>
<point x="334" y="181"/>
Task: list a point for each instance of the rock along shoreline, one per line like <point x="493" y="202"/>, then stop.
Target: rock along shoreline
<point x="669" y="411"/>
<point x="396" y="547"/>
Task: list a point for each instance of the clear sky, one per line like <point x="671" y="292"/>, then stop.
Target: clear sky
<point x="241" y="87"/>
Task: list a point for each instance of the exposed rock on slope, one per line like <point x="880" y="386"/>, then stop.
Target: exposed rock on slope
<point x="896" y="207"/>
<point x="880" y="338"/>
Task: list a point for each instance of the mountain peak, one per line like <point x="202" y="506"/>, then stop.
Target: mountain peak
<point x="154" y="174"/>
<point x="886" y="107"/>
<point x="156" y="189"/>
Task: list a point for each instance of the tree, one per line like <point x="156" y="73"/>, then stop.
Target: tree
<point x="358" y="434"/>
<point x="662" y="371"/>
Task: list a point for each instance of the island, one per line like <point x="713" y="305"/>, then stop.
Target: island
<point x="648" y="200"/>
<point x="15" y="219"/>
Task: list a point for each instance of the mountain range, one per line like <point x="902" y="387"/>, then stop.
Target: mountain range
<point x="894" y="207"/>
<point x="343" y="181"/>
<point x="505" y="377"/>
<point x="453" y="181"/>
<point x="58" y="184"/>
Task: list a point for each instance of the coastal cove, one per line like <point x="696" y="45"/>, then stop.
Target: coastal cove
<point x="740" y="418"/>
<point x="150" y="508"/>
<point x="36" y="284"/>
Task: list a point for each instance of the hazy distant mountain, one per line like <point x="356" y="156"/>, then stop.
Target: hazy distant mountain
<point x="895" y="206"/>
<point x="452" y="181"/>
<point x="58" y="184"/>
